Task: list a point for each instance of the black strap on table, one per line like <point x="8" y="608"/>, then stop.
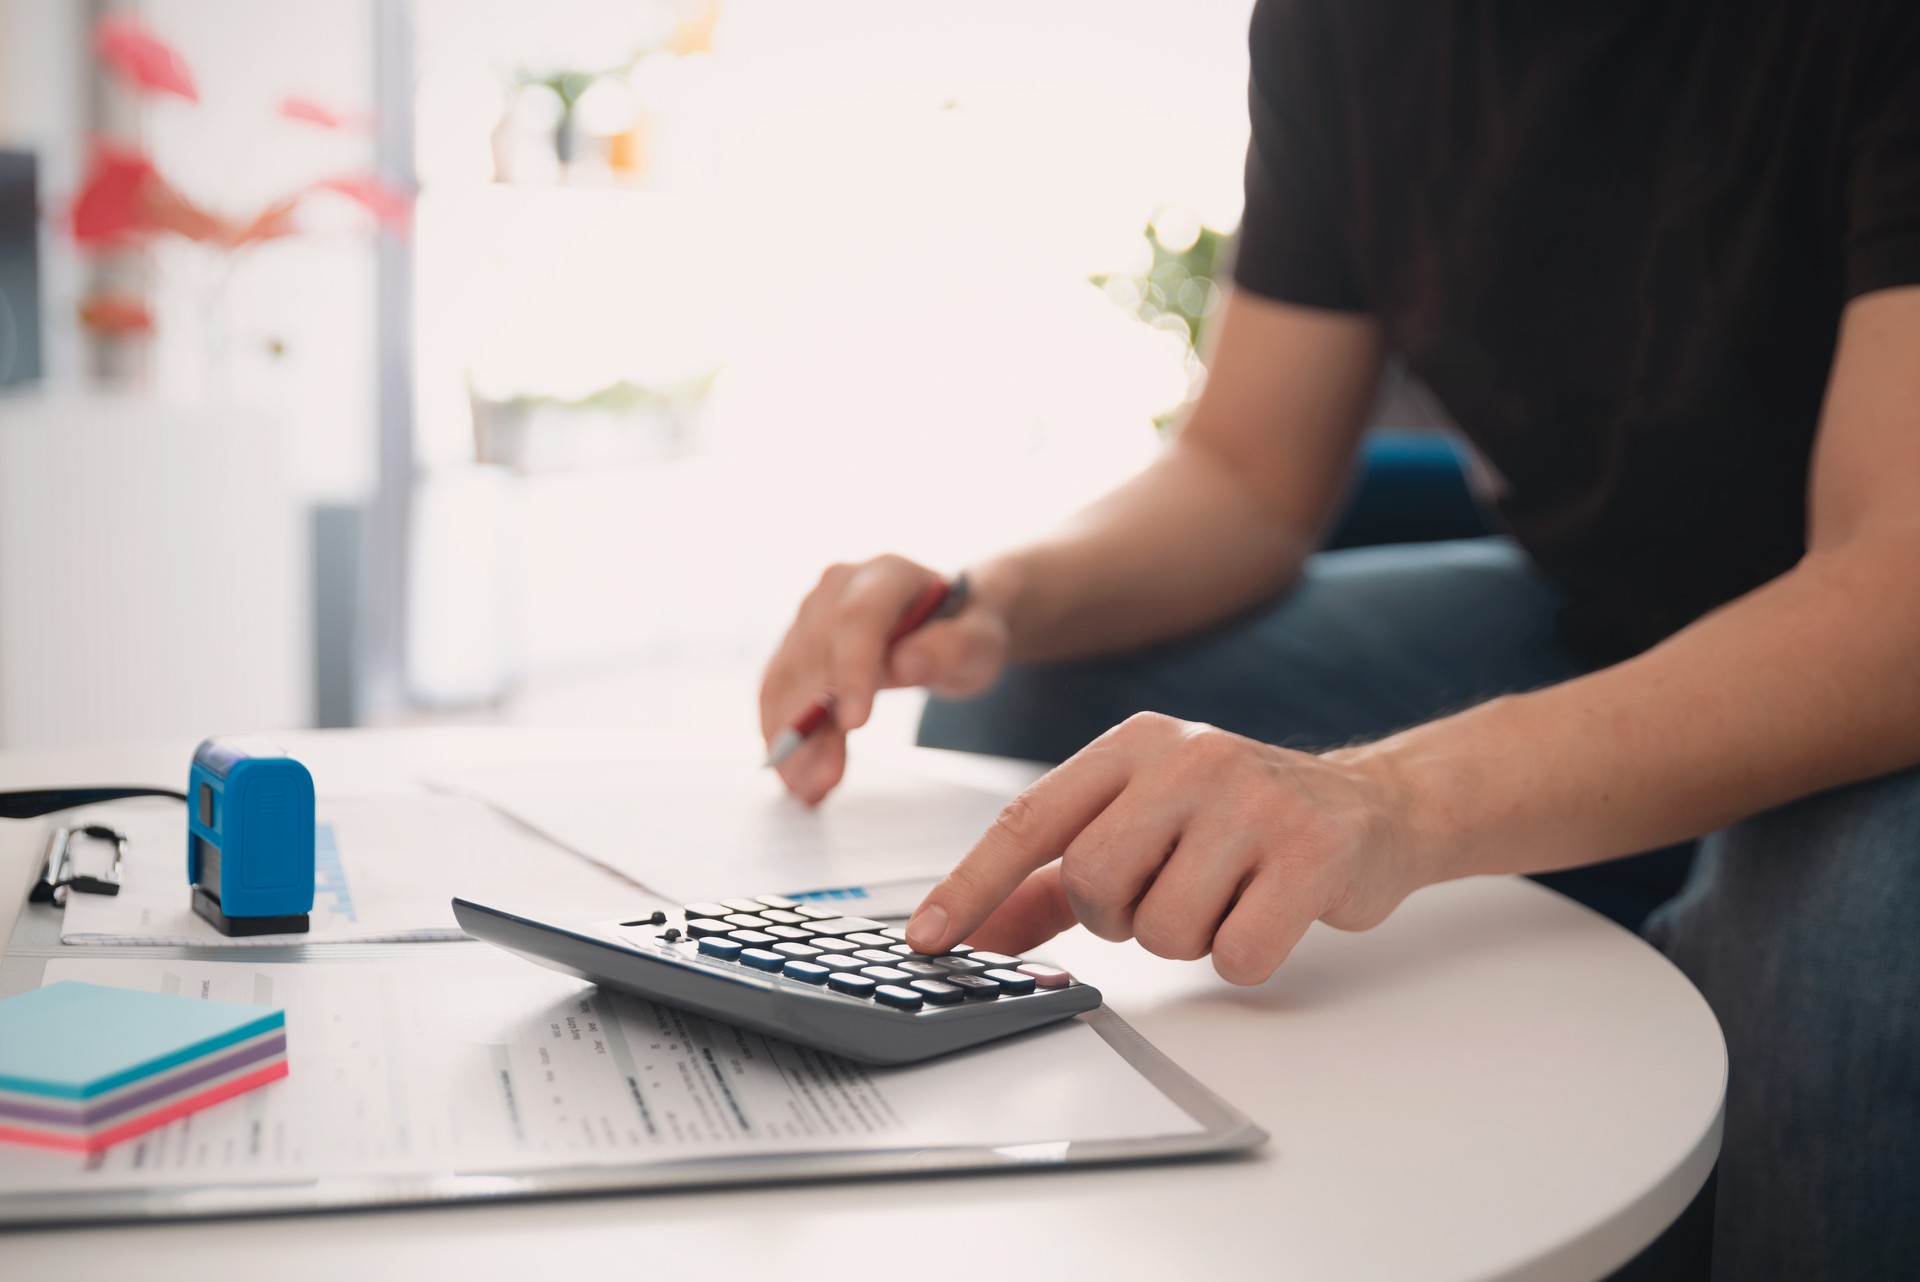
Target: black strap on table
<point x="31" y="803"/>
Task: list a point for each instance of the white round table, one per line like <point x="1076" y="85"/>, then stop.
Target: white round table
<point x="1494" y="1084"/>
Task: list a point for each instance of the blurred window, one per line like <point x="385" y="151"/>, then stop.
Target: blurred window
<point x="730" y="289"/>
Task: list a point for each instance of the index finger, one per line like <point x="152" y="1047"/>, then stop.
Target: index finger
<point x="1033" y="831"/>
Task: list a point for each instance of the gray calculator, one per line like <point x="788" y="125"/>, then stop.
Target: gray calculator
<point x="800" y="972"/>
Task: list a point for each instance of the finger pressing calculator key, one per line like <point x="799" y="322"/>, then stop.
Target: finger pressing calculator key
<point x="805" y="974"/>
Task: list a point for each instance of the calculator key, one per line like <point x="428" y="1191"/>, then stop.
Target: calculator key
<point x="845" y="925"/>
<point x="743" y="905"/>
<point x="817" y="914"/>
<point x="701" y="927"/>
<point x="705" y="910"/>
<point x="976" y="985"/>
<point x="887" y="975"/>
<point x="921" y="969"/>
<point x="840" y="961"/>
<point x="798" y="952"/>
<point x="938" y="991"/>
<point x="961" y="950"/>
<point x="781" y="916"/>
<point x="1012" y="982"/>
<point x="960" y="965"/>
<point x="1046" y="976"/>
<point x="903" y="950"/>
<point x="721" y="947"/>
<point x="799" y="934"/>
<point x="876" y="955"/>
<point x="898" y="997"/>
<point x="870" y="939"/>
<point x="777" y="901"/>
<point x="806" y="971"/>
<point x="851" y="984"/>
<point x="996" y="959"/>
<point x="752" y="938"/>
<point x="761" y="959"/>
<point x="747" y="921"/>
<point x="896" y="934"/>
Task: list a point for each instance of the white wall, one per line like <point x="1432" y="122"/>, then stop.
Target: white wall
<point x="151" y="573"/>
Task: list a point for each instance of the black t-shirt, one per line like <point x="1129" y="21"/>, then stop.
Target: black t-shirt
<point x="1615" y="238"/>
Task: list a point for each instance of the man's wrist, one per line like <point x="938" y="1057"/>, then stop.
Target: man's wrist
<point x="1424" y="819"/>
<point x="998" y="586"/>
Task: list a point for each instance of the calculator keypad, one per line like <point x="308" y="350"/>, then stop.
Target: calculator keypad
<point x="761" y="959"/>
<point x="854" y="956"/>
<point x="851" y="984"/>
<point x="752" y="938"/>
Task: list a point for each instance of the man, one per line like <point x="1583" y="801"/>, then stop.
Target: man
<point x="1662" y="263"/>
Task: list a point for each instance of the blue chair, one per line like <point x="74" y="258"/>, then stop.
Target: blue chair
<point x="1409" y="487"/>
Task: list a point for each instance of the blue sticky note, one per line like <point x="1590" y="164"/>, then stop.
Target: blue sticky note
<point x="75" y="1041"/>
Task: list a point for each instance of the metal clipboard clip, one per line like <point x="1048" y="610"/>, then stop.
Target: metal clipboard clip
<point x="57" y="875"/>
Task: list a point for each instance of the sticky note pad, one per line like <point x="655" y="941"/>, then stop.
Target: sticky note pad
<point x="82" y="1066"/>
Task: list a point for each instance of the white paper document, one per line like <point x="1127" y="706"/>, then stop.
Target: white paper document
<point x="712" y="827"/>
<point x="385" y="869"/>
<point x="483" y="1063"/>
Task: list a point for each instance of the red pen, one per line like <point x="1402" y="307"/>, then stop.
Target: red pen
<point x="938" y="600"/>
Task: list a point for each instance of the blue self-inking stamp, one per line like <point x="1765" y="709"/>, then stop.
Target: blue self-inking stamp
<point x="250" y="837"/>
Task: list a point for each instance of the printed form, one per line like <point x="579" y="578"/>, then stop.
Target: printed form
<point x="385" y="869"/>
<point x="483" y="1064"/>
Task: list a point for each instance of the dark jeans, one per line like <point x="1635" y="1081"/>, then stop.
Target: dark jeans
<point x="1801" y="926"/>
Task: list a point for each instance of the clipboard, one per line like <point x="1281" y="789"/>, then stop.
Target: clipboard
<point x="1220" y="1130"/>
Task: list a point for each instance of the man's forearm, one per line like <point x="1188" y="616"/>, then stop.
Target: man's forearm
<point x="1182" y="545"/>
<point x="1807" y="683"/>
<point x="1224" y="519"/>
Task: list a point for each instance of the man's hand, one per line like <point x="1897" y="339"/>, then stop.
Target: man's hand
<point x="1218" y="524"/>
<point x="838" y="641"/>
<point x="1188" y="838"/>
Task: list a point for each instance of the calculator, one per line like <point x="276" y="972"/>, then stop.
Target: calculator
<point x="800" y="972"/>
